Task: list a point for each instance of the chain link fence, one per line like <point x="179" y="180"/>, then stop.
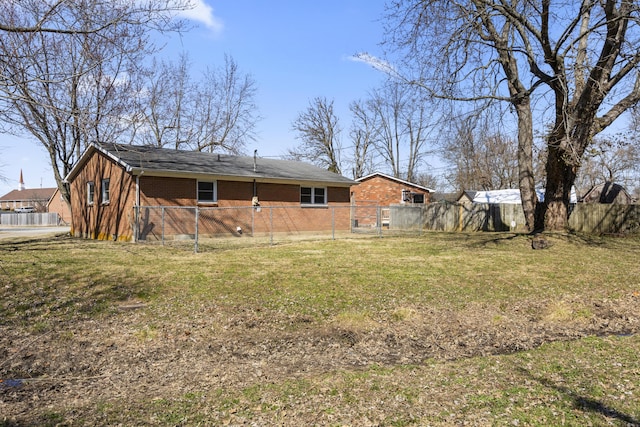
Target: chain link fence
<point x="231" y="226"/>
<point x="203" y="228"/>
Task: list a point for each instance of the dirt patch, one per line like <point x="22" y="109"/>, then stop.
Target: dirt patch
<point x="72" y="367"/>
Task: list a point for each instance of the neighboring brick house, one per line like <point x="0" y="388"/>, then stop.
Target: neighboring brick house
<point x="41" y="199"/>
<point x="385" y="190"/>
<point x="376" y="192"/>
<point x="58" y="205"/>
<point x="111" y="184"/>
<point x="31" y="197"/>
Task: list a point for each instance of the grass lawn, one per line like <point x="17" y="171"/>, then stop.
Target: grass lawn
<point x="440" y="329"/>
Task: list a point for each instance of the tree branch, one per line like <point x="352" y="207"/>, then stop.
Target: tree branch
<point x="620" y="107"/>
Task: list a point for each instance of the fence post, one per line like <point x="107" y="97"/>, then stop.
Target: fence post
<point x="333" y="223"/>
<point x="163" y="226"/>
<point x="271" y="225"/>
<point x="195" y="244"/>
<point x="136" y="229"/>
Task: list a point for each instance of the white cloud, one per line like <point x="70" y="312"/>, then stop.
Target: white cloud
<point x="377" y="63"/>
<point x="203" y="13"/>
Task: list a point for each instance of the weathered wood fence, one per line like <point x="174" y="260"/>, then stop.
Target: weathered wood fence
<point x="601" y="218"/>
<point x="587" y="218"/>
<point x="29" y="219"/>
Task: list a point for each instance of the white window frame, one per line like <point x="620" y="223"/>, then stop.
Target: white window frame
<point x="91" y="192"/>
<point x="313" y="196"/>
<point x="409" y="196"/>
<point x="104" y="188"/>
<point x="215" y="192"/>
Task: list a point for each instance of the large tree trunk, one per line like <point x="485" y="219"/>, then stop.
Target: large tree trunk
<point x="526" y="180"/>
<point x="561" y="175"/>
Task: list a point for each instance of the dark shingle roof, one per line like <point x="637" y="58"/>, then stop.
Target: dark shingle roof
<point x="607" y="192"/>
<point x="163" y="161"/>
<point x="471" y="194"/>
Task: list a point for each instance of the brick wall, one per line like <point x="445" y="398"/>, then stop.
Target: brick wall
<point x="383" y="191"/>
<point x="163" y="191"/>
<point x="59" y="206"/>
<point x="115" y="220"/>
<point x="109" y="221"/>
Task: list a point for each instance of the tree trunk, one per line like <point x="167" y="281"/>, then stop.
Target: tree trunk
<point x="560" y="178"/>
<point x="526" y="180"/>
<point x="63" y="187"/>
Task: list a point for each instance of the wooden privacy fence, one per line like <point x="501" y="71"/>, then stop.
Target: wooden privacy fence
<point x="586" y="218"/>
<point x="29" y="219"/>
<point x="605" y="219"/>
<point x="458" y="217"/>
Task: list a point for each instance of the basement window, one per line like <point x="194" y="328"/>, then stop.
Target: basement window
<point x="313" y="195"/>
<point x="207" y="191"/>
<point x="91" y="192"/>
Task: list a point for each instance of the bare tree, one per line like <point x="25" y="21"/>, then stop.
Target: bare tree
<point x="65" y="68"/>
<point x="319" y="131"/>
<point x="609" y="160"/>
<point x="402" y="124"/>
<point x="479" y="158"/>
<point x="214" y="111"/>
<point x="65" y="16"/>
<point x="362" y="134"/>
<point x="162" y="98"/>
<point x="579" y="58"/>
<point x="459" y="151"/>
<point x="224" y="115"/>
<point x="428" y="180"/>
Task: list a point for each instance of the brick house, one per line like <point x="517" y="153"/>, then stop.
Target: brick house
<point x="385" y="190"/>
<point x="38" y="198"/>
<point x="112" y="184"/>
<point x="58" y="205"/>
<point x="379" y="191"/>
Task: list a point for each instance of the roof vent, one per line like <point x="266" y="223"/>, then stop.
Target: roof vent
<point x="255" y="160"/>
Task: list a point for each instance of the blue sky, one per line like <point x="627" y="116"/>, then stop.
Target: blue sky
<point x="294" y="50"/>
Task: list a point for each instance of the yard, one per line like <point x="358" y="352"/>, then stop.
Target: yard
<point x="440" y="329"/>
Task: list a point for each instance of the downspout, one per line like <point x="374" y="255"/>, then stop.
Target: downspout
<point x="254" y="199"/>
<point x="255" y="203"/>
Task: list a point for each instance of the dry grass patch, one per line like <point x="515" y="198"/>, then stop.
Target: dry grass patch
<point x="441" y="329"/>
